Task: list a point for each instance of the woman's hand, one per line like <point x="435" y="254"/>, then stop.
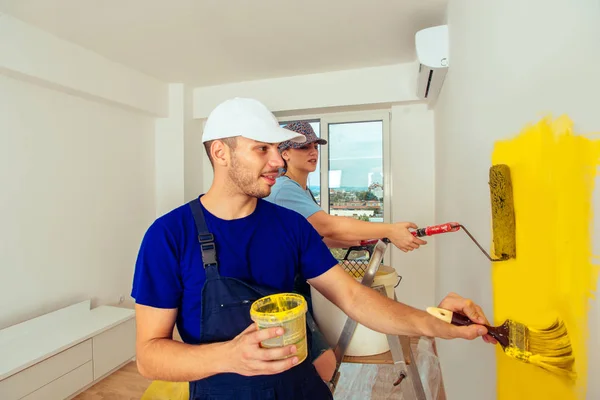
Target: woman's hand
<point x="402" y="238"/>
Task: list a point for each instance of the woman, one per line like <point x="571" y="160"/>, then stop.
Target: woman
<point x="291" y="191"/>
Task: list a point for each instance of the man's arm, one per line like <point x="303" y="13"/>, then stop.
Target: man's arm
<point x="382" y="314"/>
<point x="161" y="357"/>
<point x="350" y="229"/>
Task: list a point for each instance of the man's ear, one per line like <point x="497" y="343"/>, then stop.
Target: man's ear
<point x="220" y="152"/>
<point x="285" y="155"/>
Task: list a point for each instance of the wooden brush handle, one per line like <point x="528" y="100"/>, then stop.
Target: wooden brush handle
<point x="449" y="316"/>
<point x="454" y="318"/>
<point x="461" y="320"/>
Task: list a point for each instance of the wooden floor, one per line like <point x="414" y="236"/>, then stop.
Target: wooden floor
<point x="128" y="384"/>
<point x="124" y="384"/>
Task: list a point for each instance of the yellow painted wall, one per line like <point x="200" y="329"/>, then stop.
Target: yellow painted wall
<point x="553" y="172"/>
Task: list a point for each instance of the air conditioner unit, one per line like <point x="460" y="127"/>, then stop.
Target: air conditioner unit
<point x="432" y="53"/>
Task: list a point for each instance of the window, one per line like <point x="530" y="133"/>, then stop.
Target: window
<point x="352" y="176"/>
<point x="356" y="170"/>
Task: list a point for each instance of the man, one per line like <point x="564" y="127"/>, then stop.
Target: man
<point x="204" y="263"/>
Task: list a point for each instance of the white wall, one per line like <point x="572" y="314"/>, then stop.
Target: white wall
<point x="32" y="54"/>
<point x="207" y="172"/>
<point x="413" y="175"/>
<point x="77" y="172"/>
<point x="194" y="154"/>
<point x="77" y="182"/>
<point x="178" y="152"/>
<point x="169" y="153"/>
<point x="510" y="63"/>
<point x="364" y="86"/>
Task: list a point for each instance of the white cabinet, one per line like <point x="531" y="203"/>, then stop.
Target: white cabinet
<point x="57" y="355"/>
<point x="66" y="385"/>
<point x="113" y="347"/>
<point x="19" y="385"/>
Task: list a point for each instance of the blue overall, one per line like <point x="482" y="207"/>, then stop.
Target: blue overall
<point x="225" y="313"/>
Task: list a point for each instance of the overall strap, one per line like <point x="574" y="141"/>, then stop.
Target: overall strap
<point x="206" y="239"/>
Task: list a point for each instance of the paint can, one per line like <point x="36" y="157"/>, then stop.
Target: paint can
<point x="287" y="310"/>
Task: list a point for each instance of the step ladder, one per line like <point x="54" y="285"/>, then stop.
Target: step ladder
<point x="399" y="345"/>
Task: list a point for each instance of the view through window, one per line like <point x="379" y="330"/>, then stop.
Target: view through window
<point x="356" y="173"/>
<point x="356" y="170"/>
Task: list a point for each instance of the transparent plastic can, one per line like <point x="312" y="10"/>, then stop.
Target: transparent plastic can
<point x="287" y="310"/>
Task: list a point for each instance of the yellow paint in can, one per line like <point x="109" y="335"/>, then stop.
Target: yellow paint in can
<point x="287" y="310"/>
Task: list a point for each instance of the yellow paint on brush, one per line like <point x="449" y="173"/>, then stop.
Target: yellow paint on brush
<point x="553" y="172"/>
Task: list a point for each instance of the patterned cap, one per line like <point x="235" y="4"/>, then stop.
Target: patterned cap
<point x="304" y="128"/>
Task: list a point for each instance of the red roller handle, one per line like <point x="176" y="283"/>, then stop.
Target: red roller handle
<point x="437" y="229"/>
<point x="427" y="231"/>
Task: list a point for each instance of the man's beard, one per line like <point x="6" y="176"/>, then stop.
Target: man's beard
<point x="246" y="181"/>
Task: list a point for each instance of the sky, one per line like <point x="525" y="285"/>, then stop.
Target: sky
<point x="356" y="150"/>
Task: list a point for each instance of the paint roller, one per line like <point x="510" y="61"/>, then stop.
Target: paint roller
<point x="503" y="217"/>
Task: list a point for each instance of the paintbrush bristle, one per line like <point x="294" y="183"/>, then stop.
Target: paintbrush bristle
<point x="548" y="348"/>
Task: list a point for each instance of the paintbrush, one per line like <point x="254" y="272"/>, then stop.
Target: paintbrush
<point x="548" y="348"/>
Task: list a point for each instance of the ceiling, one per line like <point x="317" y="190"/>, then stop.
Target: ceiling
<point x="208" y="42"/>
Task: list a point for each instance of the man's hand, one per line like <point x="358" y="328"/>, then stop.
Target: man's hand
<point x="458" y="304"/>
<point x="246" y="357"/>
<point x="402" y="238"/>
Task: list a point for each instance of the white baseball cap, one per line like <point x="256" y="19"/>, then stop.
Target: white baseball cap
<point x="248" y="118"/>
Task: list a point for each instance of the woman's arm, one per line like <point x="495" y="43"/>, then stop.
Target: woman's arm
<point x="336" y="227"/>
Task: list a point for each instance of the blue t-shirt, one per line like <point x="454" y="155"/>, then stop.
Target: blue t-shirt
<point x="289" y="194"/>
<point x="268" y="247"/>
